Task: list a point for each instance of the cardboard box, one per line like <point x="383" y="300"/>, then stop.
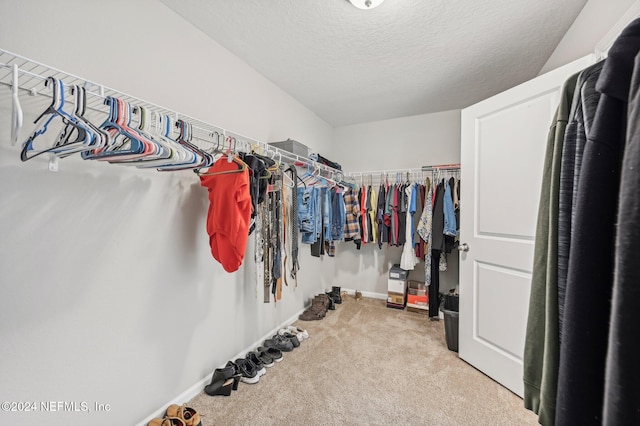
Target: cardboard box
<point x="416" y="292"/>
<point x="396" y="300"/>
<point x="417" y="285"/>
<point x="418" y="301"/>
<point x="396" y="286"/>
<point x="417" y="296"/>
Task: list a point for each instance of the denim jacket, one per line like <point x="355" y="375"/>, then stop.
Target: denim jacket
<point x="449" y="213"/>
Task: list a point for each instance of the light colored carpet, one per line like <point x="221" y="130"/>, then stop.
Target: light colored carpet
<point x="366" y="364"/>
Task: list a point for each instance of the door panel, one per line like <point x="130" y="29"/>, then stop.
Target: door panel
<point x="498" y="143"/>
<point x="496" y="322"/>
<point x="503" y="144"/>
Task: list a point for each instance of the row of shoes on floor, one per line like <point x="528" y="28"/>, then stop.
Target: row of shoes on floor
<point x="253" y="366"/>
<point x="248" y="370"/>
<point x="322" y="303"/>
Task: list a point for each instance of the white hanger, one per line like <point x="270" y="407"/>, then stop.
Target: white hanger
<point x="16" y="112"/>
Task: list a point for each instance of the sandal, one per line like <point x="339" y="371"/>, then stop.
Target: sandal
<point x="188" y="415"/>
<point x="167" y="421"/>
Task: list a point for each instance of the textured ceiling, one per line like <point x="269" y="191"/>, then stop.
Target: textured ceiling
<point x="405" y="57"/>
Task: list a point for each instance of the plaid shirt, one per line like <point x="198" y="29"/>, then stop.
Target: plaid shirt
<point x="352" y="210"/>
<point x="330" y="248"/>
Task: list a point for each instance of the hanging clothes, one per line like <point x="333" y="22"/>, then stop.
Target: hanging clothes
<point x="395" y="223"/>
<point x="417" y="238"/>
<point x="364" y="228"/>
<point x="438" y="218"/>
<point x="338" y="215"/>
<point x="402" y="214"/>
<point x="436" y="250"/>
<point x="388" y="214"/>
<point x="583" y="109"/>
<point x="307" y="206"/>
<point x="229" y="211"/>
<point x="622" y="375"/>
<point x="317" y="247"/>
<point x="425" y="228"/>
<point x="450" y="225"/>
<point x="352" y="213"/>
<point x="449" y="213"/>
<point x="581" y="349"/>
<point x="373" y="235"/>
<point x="257" y="182"/>
<point x="408" y="259"/>
<point x="541" y="346"/>
<point x="382" y="228"/>
<point x="585" y="332"/>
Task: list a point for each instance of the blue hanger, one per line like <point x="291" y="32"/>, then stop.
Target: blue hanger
<point x="126" y="143"/>
<point x="55" y="110"/>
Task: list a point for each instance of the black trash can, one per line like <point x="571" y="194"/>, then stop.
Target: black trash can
<point x="451" y="329"/>
<point x="451" y="316"/>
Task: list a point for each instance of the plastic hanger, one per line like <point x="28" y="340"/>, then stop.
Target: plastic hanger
<point x="169" y="152"/>
<point x="16" y="111"/>
<point x="231" y="157"/>
<point x="152" y="126"/>
<point x="239" y="162"/>
<point x="231" y="141"/>
<point x="44" y="120"/>
<point x="101" y="138"/>
<point x="95" y="137"/>
<point x="202" y="159"/>
<point x="285" y="177"/>
<point x="126" y="143"/>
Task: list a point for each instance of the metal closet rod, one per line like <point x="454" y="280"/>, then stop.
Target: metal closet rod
<point x="444" y="167"/>
<point x="39" y="72"/>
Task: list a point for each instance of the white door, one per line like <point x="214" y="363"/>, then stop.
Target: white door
<point x="503" y="144"/>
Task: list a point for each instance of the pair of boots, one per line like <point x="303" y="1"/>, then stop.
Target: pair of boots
<point x="318" y="310"/>
<point x="335" y="296"/>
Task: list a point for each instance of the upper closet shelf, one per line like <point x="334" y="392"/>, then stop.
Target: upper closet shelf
<point x="24" y="75"/>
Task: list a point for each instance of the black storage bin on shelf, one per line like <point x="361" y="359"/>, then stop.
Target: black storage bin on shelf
<point x="451" y="320"/>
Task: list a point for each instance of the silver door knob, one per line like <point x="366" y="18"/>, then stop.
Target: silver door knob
<point x="463" y="247"/>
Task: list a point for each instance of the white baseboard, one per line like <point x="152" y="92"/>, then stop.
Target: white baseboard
<point x="196" y="388"/>
<point x="352" y="292"/>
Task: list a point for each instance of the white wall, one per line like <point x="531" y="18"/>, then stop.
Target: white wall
<point x="109" y="292"/>
<point x="406" y="142"/>
<point x="591" y="25"/>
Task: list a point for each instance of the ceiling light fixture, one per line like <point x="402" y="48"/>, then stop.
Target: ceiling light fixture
<point x="366" y="4"/>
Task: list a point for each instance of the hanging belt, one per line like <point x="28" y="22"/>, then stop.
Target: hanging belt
<point x="266" y="228"/>
<point x="277" y="253"/>
<point x="284" y="231"/>
<point x="295" y="266"/>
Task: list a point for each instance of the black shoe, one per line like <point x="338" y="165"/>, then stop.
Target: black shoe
<point x="255" y="359"/>
<point x="332" y="301"/>
<point x="248" y="370"/>
<point x="337" y="297"/>
<point x="275" y="354"/>
<point x="293" y="339"/>
<point x="265" y="358"/>
<point x="222" y="381"/>
<point x="280" y="343"/>
<point x="236" y="374"/>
